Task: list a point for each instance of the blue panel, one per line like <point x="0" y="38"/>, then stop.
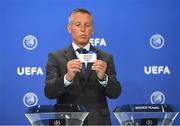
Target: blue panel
<point x="125" y="26"/>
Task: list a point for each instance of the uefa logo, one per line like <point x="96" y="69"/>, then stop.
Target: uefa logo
<point x="98" y="42"/>
<point x="157" y="97"/>
<point x="30" y="42"/>
<point x="30" y="99"/>
<point x="157" y="41"/>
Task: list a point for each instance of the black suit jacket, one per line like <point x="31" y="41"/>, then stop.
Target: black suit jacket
<point x="88" y="91"/>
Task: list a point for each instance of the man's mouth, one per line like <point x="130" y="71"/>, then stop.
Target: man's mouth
<point x="82" y="36"/>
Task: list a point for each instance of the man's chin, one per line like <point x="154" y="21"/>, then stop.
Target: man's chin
<point x="83" y="42"/>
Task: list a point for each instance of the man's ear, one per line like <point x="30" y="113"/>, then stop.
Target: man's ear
<point x="69" y="28"/>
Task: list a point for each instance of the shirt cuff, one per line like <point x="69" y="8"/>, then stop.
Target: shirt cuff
<point x="66" y="82"/>
<point x="105" y="81"/>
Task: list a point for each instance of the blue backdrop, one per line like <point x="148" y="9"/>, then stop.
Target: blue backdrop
<point x="142" y="35"/>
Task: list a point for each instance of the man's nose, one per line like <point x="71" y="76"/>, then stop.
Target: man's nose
<point x="83" y="28"/>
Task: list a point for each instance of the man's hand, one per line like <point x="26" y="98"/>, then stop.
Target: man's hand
<point x="100" y="67"/>
<point x="73" y="66"/>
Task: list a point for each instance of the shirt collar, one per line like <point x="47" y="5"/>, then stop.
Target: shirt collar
<point x="75" y="47"/>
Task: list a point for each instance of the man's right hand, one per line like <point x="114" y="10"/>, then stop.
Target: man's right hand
<point x="73" y="66"/>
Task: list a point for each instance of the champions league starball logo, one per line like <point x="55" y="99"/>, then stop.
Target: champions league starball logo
<point x="30" y="99"/>
<point x="157" y="41"/>
<point x="157" y="97"/>
<point x="57" y="123"/>
<point x="30" y="42"/>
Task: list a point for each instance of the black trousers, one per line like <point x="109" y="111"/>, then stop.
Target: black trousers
<point x="97" y="119"/>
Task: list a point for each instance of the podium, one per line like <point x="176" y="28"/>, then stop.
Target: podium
<point x="63" y="114"/>
<point x="145" y="114"/>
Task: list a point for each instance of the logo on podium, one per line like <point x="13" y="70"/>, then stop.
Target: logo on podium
<point x="57" y="123"/>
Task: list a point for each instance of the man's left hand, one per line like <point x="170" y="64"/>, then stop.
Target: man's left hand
<point x="100" y="67"/>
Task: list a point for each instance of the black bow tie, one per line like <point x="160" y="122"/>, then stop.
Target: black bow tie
<point x="82" y="51"/>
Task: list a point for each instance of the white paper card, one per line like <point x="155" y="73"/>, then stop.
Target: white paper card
<point x="88" y="58"/>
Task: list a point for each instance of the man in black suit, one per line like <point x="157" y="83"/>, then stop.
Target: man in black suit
<point x="65" y="80"/>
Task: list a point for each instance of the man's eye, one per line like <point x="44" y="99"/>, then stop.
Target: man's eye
<point x="87" y="25"/>
<point x="77" y="24"/>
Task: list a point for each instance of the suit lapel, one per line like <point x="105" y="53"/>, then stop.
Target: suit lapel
<point x="70" y="53"/>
